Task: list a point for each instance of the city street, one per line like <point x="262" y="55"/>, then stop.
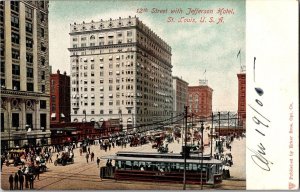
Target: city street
<point x="83" y="175"/>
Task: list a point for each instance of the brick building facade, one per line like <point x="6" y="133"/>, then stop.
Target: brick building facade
<point x="242" y="98"/>
<point x="200" y="100"/>
<point x="60" y="97"/>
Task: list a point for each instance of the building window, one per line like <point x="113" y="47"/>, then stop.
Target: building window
<point x="2" y="122"/>
<point x="29" y="57"/>
<point x="15" y="69"/>
<point x="43" y="121"/>
<point x="16" y="85"/>
<point x="28" y="27"/>
<point x="29" y="120"/>
<point x="28" y="12"/>
<point x="43" y="104"/>
<point x="29" y="72"/>
<point x="129" y="33"/>
<point x="101" y="112"/>
<point x="15" y="38"/>
<point x="2" y="67"/>
<point x="110" y="103"/>
<point x="75" y="39"/>
<point x="43" y="75"/>
<point x="29" y="86"/>
<point x="43" y="61"/>
<point x="42" y="32"/>
<point x="15" y="53"/>
<point x="110" y="111"/>
<point x="43" y="88"/>
<point x="15" y="120"/>
<point x="14" y="5"/>
<point x="14" y="21"/>
<point x="29" y="42"/>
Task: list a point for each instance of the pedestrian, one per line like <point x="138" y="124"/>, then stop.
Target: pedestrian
<point x="92" y="156"/>
<point x="80" y="151"/>
<point x="98" y="162"/>
<point x="87" y="157"/>
<point x="11" y="182"/>
<point x="31" y="180"/>
<point x="37" y="172"/>
<point x="16" y="181"/>
<point x="89" y="150"/>
<point x="21" y="180"/>
<point x="26" y="180"/>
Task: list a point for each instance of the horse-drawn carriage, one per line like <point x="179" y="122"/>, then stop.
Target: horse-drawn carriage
<point x="158" y="141"/>
<point x="15" y="157"/>
<point x="64" y="159"/>
<point x="162" y="149"/>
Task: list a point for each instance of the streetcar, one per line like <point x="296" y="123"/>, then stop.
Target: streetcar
<point x="158" y="167"/>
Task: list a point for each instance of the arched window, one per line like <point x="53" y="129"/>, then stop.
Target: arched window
<point x="92" y="37"/>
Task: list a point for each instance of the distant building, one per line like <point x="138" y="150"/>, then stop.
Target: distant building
<point x="119" y="69"/>
<point x="25" y="117"/>
<point x="60" y="107"/>
<point x="200" y="100"/>
<point x="180" y="93"/>
<point x="242" y="98"/>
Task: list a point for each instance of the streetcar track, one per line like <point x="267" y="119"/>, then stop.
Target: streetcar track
<point x="66" y="177"/>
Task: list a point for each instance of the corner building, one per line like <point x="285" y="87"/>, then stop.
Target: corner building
<point x="200" y="100"/>
<point x="120" y="69"/>
<point x="24" y="73"/>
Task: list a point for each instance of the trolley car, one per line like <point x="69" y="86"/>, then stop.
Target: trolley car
<point x="158" y="167"/>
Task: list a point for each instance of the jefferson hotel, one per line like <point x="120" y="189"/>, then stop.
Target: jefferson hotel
<point x="24" y="73"/>
<point x="120" y="69"/>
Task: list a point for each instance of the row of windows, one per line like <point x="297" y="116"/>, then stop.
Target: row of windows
<point x="110" y="42"/>
<point x="16" y="86"/>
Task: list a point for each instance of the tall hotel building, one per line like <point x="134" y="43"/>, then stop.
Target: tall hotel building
<point x="120" y="69"/>
<point x="24" y="73"/>
<point x="180" y="93"/>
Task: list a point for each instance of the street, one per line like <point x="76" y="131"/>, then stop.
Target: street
<point x="85" y="176"/>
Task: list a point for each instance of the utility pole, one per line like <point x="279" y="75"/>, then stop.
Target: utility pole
<point x="211" y="133"/>
<point x="228" y="123"/>
<point x="202" y="151"/>
<point x="185" y="149"/>
<point x="219" y="132"/>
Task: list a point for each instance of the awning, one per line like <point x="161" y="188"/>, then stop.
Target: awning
<point x="92" y="95"/>
<point x="110" y="57"/>
<point x="110" y="95"/>
<point x="62" y="115"/>
<point x="118" y="57"/>
<point x="53" y="115"/>
<point x="101" y="35"/>
<point x="101" y="58"/>
<point x="85" y="59"/>
<point x="101" y="65"/>
<point x="101" y="88"/>
<point x="92" y="59"/>
<point x="101" y="95"/>
<point x="118" y="72"/>
<point x="85" y="96"/>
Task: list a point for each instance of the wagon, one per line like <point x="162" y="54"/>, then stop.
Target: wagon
<point x="65" y="159"/>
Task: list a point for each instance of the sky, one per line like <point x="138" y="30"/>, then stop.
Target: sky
<point x="200" y="50"/>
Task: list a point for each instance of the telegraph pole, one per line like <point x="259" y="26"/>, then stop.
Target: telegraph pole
<point x="184" y="152"/>
<point x="211" y="133"/>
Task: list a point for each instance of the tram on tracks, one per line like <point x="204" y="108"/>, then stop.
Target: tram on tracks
<point x="158" y="167"/>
